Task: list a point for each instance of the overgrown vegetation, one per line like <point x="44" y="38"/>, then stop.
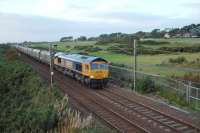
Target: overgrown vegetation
<point x="128" y="50"/>
<point x="192" y="77"/>
<point x="29" y="105"/>
<point x="152" y="42"/>
<point x="189" y="49"/>
<point x="146" y="85"/>
<point x="87" y="48"/>
<point x="178" y="60"/>
<point x="26" y="104"/>
<point x="172" y="98"/>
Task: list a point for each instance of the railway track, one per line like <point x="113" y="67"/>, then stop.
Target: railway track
<point x="155" y="117"/>
<point x="111" y="117"/>
<point x="120" y="112"/>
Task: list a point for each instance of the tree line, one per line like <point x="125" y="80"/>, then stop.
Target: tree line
<point x="192" y="30"/>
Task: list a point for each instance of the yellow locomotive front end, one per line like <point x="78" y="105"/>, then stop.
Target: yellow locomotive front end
<point x="98" y="70"/>
<point x="98" y="74"/>
<point x="89" y="70"/>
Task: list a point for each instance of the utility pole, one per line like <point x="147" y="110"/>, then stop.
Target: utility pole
<point x="51" y="64"/>
<point x="133" y="46"/>
<point x="135" y="63"/>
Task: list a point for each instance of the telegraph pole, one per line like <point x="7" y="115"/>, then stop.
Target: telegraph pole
<point x="135" y="63"/>
<point x="51" y="64"/>
<point x="134" y="67"/>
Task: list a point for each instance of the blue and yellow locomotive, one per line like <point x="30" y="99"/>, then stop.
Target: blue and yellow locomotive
<point x="90" y="70"/>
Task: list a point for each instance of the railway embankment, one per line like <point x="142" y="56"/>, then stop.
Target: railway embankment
<point x="128" y="114"/>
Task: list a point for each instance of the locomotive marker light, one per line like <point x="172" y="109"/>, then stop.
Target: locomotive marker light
<point x="51" y="64"/>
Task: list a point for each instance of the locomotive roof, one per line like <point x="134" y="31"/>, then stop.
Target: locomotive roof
<point x="79" y="58"/>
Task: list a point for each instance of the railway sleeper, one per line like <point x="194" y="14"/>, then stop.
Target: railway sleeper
<point x="158" y="117"/>
<point x="147" y="112"/>
<point x="190" y="131"/>
<point x="182" y="128"/>
<point x="143" y="110"/>
<point x="138" y="108"/>
<point x="163" y="120"/>
<point x="169" y="122"/>
<point x="152" y="115"/>
<point x="176" y="125"/>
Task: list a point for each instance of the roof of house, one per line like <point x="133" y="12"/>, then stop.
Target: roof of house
<point x="79" y="58"/>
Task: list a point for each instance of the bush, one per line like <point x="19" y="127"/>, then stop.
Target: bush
<point x="26" y="104"/>
<point x="192" y="77"/>
<point x="178" y="60"/>
<point x="11" y="54"/>
<point x="152" y="42"/>
<point x="191" y="49"/>
<point x="126" y="49"/>
<point x="93" y="49"/>
<point x="145" y="85"/>
<point x="87" y="48"/>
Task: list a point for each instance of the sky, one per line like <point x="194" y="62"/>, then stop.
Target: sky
<point x="49" y="20"/>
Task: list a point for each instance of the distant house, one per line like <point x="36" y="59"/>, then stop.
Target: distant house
<point x="195" y="36"/>
<point x="177" y="35"/>
<point x="187" y="35"/>
<point x="167" y="36"/>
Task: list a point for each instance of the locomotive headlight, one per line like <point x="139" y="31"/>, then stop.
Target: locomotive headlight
<point x="91" y="76"/>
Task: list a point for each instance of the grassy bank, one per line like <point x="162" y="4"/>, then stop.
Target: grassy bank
<point x="29" y="105"/>
<point x="26" y="103"/>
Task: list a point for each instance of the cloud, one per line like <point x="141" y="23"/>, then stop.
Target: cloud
<point x="41" y="20"/>
<point x="36" y="28"/>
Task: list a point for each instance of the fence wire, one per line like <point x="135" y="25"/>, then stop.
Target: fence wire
<point x="182" y="88"/>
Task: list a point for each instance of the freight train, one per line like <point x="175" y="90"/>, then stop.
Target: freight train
<point x="90" y="70"/>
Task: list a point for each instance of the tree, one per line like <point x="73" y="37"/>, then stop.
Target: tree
<point x="66" y="39"/>
<point x="82" y="38"/>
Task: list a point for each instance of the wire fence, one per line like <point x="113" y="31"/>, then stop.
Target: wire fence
<point x="189" y="91"/>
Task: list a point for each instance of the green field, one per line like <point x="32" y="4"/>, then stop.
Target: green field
<point x="150" y="63"/>
<point x="176" y="42"/>
<point x="155" y="64"/>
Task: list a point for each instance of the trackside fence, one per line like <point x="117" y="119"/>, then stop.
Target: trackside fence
<point x="187" y="90"/>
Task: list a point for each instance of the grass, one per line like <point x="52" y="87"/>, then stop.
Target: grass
<point x="156" y="64"/>
<point x="176" y="42"/>
<point x="26" y="103"/>
<point x="149" y="63"/>
<point x="64" y="46"/>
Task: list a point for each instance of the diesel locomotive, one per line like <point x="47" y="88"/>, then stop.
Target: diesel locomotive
<point x="90" y="70"/>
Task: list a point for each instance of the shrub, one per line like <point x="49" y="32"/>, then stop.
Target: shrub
<point x="11" y="54"/>
<point x="84" y="47"/>
<point x="145" y="85"/>
<point x="178" y="60"/>
<point x="69" y="120"/>
<point x="93" y="49"/>
<point x="87" y="48"/>
<point x="152" y="42"/>
<point x="126" y="49"/>
<point x="192" y="77"/>
<point x="191" y="49"/>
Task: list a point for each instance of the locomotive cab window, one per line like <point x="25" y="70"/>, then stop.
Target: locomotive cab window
<point x="59" y="60"/>
<point x="99" y="66"/>
<point x="103" y="66"/>
<point x="78" y="67"/>
<point x="94" y="66"/>
<point x="86" y="67"/>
